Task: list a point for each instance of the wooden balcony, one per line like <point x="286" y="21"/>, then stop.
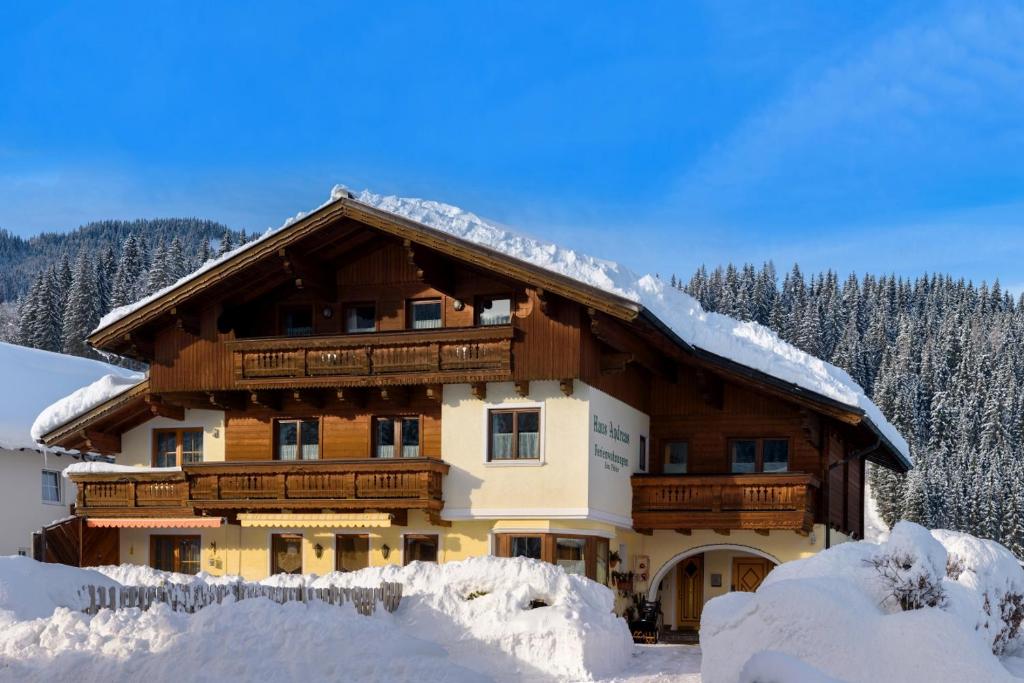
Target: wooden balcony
<point x="724" y="502"/>
<point x="478" y="354"/>
<point x="224" y="487"/>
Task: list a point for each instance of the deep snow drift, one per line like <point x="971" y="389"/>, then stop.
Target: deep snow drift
<point x="837" y="616"/>
<point x="477" y="611"/>
<point x="747" y="343"/>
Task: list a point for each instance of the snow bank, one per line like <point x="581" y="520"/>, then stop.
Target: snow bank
<point x="30" y="589"/>
<point x="747" y="343"/>
<point x="84" y="400"/>
<point x="836" y="612"/>
<point x="34" y="379"/>
<point x="111" y="468"/>
<point x="477" y="612"/>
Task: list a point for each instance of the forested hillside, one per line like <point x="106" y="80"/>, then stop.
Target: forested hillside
<point x="942" y="358"/>
<point x="57" y="286"/>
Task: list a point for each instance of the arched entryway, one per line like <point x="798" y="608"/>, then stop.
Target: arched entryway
<point x="692" y="577"/>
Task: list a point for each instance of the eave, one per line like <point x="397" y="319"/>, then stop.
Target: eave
<point x="72" y="434"/>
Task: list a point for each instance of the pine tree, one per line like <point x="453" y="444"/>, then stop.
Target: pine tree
<point x="127" y="283"/>
<point x="83" y="307"/>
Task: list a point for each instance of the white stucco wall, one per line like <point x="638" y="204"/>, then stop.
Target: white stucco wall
<point x="137" y="443"/>
<point x="21" y="496"/>
<point x="571" y="481"/>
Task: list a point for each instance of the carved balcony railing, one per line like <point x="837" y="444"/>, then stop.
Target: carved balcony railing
<point x="759" y="502"/>
<point x="406" y="357"/>
<point x="400" y="484"/>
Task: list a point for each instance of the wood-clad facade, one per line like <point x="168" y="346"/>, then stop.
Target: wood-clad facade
<point x="362" y="369"/>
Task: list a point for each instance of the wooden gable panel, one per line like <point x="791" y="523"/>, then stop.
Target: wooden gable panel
<point x="184" y="362"/>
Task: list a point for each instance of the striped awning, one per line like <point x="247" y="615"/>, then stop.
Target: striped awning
<point x="353" y="520"/>
<point x="155" y="522"/>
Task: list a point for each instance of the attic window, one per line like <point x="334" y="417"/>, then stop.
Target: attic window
<point x="360" y="318"/>
<point x="494" y="311"/>
<point x="297" y="321"/>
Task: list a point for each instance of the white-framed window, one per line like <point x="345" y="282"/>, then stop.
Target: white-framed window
<point x="51" y="486"/>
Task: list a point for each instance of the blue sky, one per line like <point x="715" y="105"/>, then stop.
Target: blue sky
<point x="876" y="136"/>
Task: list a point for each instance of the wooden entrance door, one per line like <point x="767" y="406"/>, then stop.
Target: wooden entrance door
<point x="689" y="592"/>
<point x="749" y="572"/>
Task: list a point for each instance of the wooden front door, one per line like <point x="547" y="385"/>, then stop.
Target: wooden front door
<point x="690" y="592"/>
<point x="749" y="572"/>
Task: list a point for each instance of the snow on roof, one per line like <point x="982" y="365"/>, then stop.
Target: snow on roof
<point x="34" y="379"/>
<point x="747" y="343"/>
<point x="85" y="399"/>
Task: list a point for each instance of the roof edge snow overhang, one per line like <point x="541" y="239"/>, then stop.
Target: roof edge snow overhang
<point x="82" y="420"/>
<point x="398" y="226"/>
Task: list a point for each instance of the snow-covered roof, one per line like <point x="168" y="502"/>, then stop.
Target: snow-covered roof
<point x="35" y="379"/>
<point x="746" y="343"/>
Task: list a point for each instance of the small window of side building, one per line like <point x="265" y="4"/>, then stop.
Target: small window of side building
<point x="51" y="486"/>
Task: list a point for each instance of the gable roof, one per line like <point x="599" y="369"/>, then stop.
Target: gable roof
<point x="34" y="379"/>
<point x="747" y="347"/>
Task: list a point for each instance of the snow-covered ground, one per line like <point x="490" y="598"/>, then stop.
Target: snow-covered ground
<point x="460" y="621"/>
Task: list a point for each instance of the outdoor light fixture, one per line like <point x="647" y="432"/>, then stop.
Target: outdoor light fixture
<point x="327" y="312"/>
<point x="318" y="550"/>
<point x="385" y="550"/>
<point x="213" y="546"/>
<point x="458" y="304"/>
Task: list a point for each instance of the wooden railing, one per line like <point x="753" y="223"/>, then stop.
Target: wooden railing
<point x="400" y="484"/>
<point x="416" y="356"/>
<point x="724" y="502"/>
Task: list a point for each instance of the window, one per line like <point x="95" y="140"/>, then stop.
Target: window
<point x="525" y="546"/>
<point x="352" y="552"/>
<point x="178" y="554"/>
<point x="286" y="554"/>
<point x="420" y="548"/>
<point x="747" y="456"/>
<point x="174" y="447"/>
<point x="297" y="321"/>
<point x="677" y="457"/>
<point x="401" y="431"/>
<point x="494" y="311"/>
<point x="425" y="315"/>
<point x="51" y="486"/>
<point x="584" y="555"/>
<point x="298" y="439"/>
<point x="361" y="318"/>
<point x="514" y="435"/>
<point x="641" y="463"/>
<point x="570" y="555"/>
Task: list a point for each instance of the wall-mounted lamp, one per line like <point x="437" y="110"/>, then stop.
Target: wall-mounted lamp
<point x="318" y="550"/>
<point x="327" y="312"/>
<point x="458" y="304"/>
<point x="385" y="550"/>
<point x="213" y="547"/>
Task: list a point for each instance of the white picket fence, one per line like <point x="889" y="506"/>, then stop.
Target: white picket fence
<point x="189" y="598"/>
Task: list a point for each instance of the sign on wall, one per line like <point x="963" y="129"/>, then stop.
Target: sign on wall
<point x="611" y="444"/>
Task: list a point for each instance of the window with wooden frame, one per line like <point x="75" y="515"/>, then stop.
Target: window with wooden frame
<point x="296" y="320"/>
<point x="583" y="555"/>
<point x="513" y="434"/>
<point x="676" y="457"/>
<point x="641" y="463"/>
<point x="352" y="552"/>
<point x="424" y="314"/>
<point x="395" y="437"/>
<point x="360" y="317"/>
<point x="493" y="310"/>
<point x="286" y="554"/>
<point x="176" y="447"/>
<point x="297" y="439"/>
<point x="178" y="554"/>
<point x="420" y="548"/>
<point x="747" y="456"/>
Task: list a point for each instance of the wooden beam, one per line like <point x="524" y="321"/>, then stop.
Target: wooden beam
<point x="435" y="519"/>
<point x="684" y="532"/>
<point x="311" y="397"/>
<point x="158" y="407"/>
<point x="566" y="385"/>
<point x="306" y="275"/>
<point x="523" y="388"/>
<point x="186" y="321"/>
<point x="546" y="302"/>
<point x="266" y="399"/>
<point x="722" y="532"/>
<point x="397" y="394"/>
<point x="429" y="268"/>
<point x="400" y="517"/>
<point x="762" y="532"/>
<point x="614" y="334"/>
<point x="479" y="390"/>
<point x="226" y="400"/>
<point x="615" y="361"/>
<point x="354" y="395"/>
<point x="138" y="346"/>
<point x="101" y="442"/>
<point x="645" y="532"/>
<point x="435" y="392"/>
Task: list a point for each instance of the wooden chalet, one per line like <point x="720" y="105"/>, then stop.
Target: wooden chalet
<point x="359" y="388"/>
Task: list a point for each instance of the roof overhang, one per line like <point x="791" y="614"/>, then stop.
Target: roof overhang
<point x="72" y="434"/>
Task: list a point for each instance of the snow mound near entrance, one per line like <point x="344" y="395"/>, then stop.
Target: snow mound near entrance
<point x="836" y="613"/>
<point x="460" y="621"/>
